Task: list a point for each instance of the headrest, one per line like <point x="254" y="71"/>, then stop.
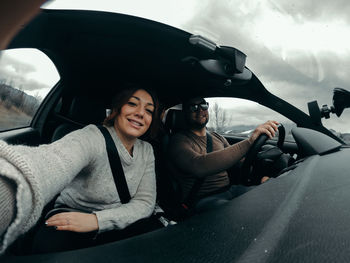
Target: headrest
<point x="175" y="121"/>
<point x="87" y="111"/>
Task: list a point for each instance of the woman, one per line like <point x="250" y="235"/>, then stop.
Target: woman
<point x="78" y="167"/>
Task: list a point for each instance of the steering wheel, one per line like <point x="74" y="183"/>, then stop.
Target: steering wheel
<point x="247" y="167"/>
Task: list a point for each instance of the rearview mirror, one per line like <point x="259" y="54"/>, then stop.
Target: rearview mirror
<point x="222" y="61"/>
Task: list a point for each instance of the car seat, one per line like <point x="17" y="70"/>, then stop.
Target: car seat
<point x="169" y="190"/>
<point x="83" y="111"/>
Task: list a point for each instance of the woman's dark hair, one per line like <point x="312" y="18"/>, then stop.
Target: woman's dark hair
<point x="122" y="97"/>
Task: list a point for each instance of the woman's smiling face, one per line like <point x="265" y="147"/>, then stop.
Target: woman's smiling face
<point x="135" y="117"/>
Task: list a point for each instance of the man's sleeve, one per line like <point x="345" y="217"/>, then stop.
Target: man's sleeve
<point x="221" y="138"/>
<point x="190" y="162"/>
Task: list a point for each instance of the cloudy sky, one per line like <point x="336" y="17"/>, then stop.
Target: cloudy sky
<point x="299" y="49"/>
<point x="29" y="70"/>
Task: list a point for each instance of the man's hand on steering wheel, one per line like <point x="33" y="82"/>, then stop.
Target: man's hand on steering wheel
<point x="257" y="139"/>
<point x="269" y="128"/>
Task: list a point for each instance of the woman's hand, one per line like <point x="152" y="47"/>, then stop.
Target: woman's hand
<point x="269" y="128"/>
<point x="73" y="221"/>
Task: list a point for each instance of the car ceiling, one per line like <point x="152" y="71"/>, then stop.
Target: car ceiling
<point x="97" y="51"/>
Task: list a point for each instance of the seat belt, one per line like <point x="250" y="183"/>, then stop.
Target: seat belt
<point x="191" y="198"/>
<point x="119" y="177"/>
<point x="116" y="166"/>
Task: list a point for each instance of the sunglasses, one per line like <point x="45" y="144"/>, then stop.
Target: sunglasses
<point x="195" y="107"/>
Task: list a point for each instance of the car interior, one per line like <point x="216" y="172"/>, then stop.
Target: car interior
<point x="178" y="66"/>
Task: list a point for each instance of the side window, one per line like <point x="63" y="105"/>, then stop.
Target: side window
<point x="26" y="77"/>
<point x="239" y="117"/>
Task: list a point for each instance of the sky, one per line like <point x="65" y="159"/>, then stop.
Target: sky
<point x="300" y="50"/>
<point x="27" y="69"/>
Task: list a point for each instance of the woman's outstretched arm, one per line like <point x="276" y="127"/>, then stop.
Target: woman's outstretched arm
<point x="38" y="174"/>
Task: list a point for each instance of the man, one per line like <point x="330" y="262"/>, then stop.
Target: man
<point x="192" y="163"/>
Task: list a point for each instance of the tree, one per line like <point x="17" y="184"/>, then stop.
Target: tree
<point x="219" y="118"/>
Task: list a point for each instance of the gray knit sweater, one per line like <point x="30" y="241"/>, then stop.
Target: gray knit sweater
<point x="78" y="167"/>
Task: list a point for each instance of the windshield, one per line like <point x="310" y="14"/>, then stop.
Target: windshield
<point x="298" y="49"/>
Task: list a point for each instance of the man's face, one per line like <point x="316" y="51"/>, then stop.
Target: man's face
<point x="196" y="112"/>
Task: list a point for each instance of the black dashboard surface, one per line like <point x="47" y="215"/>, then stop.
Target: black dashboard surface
<point x="302" y="215"/>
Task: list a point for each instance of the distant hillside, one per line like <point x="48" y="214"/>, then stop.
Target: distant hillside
<point x="345" y="137"/>
<point x="11" y="97"/>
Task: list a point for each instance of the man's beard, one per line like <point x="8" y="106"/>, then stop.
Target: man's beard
<point x="194" y="125"/>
